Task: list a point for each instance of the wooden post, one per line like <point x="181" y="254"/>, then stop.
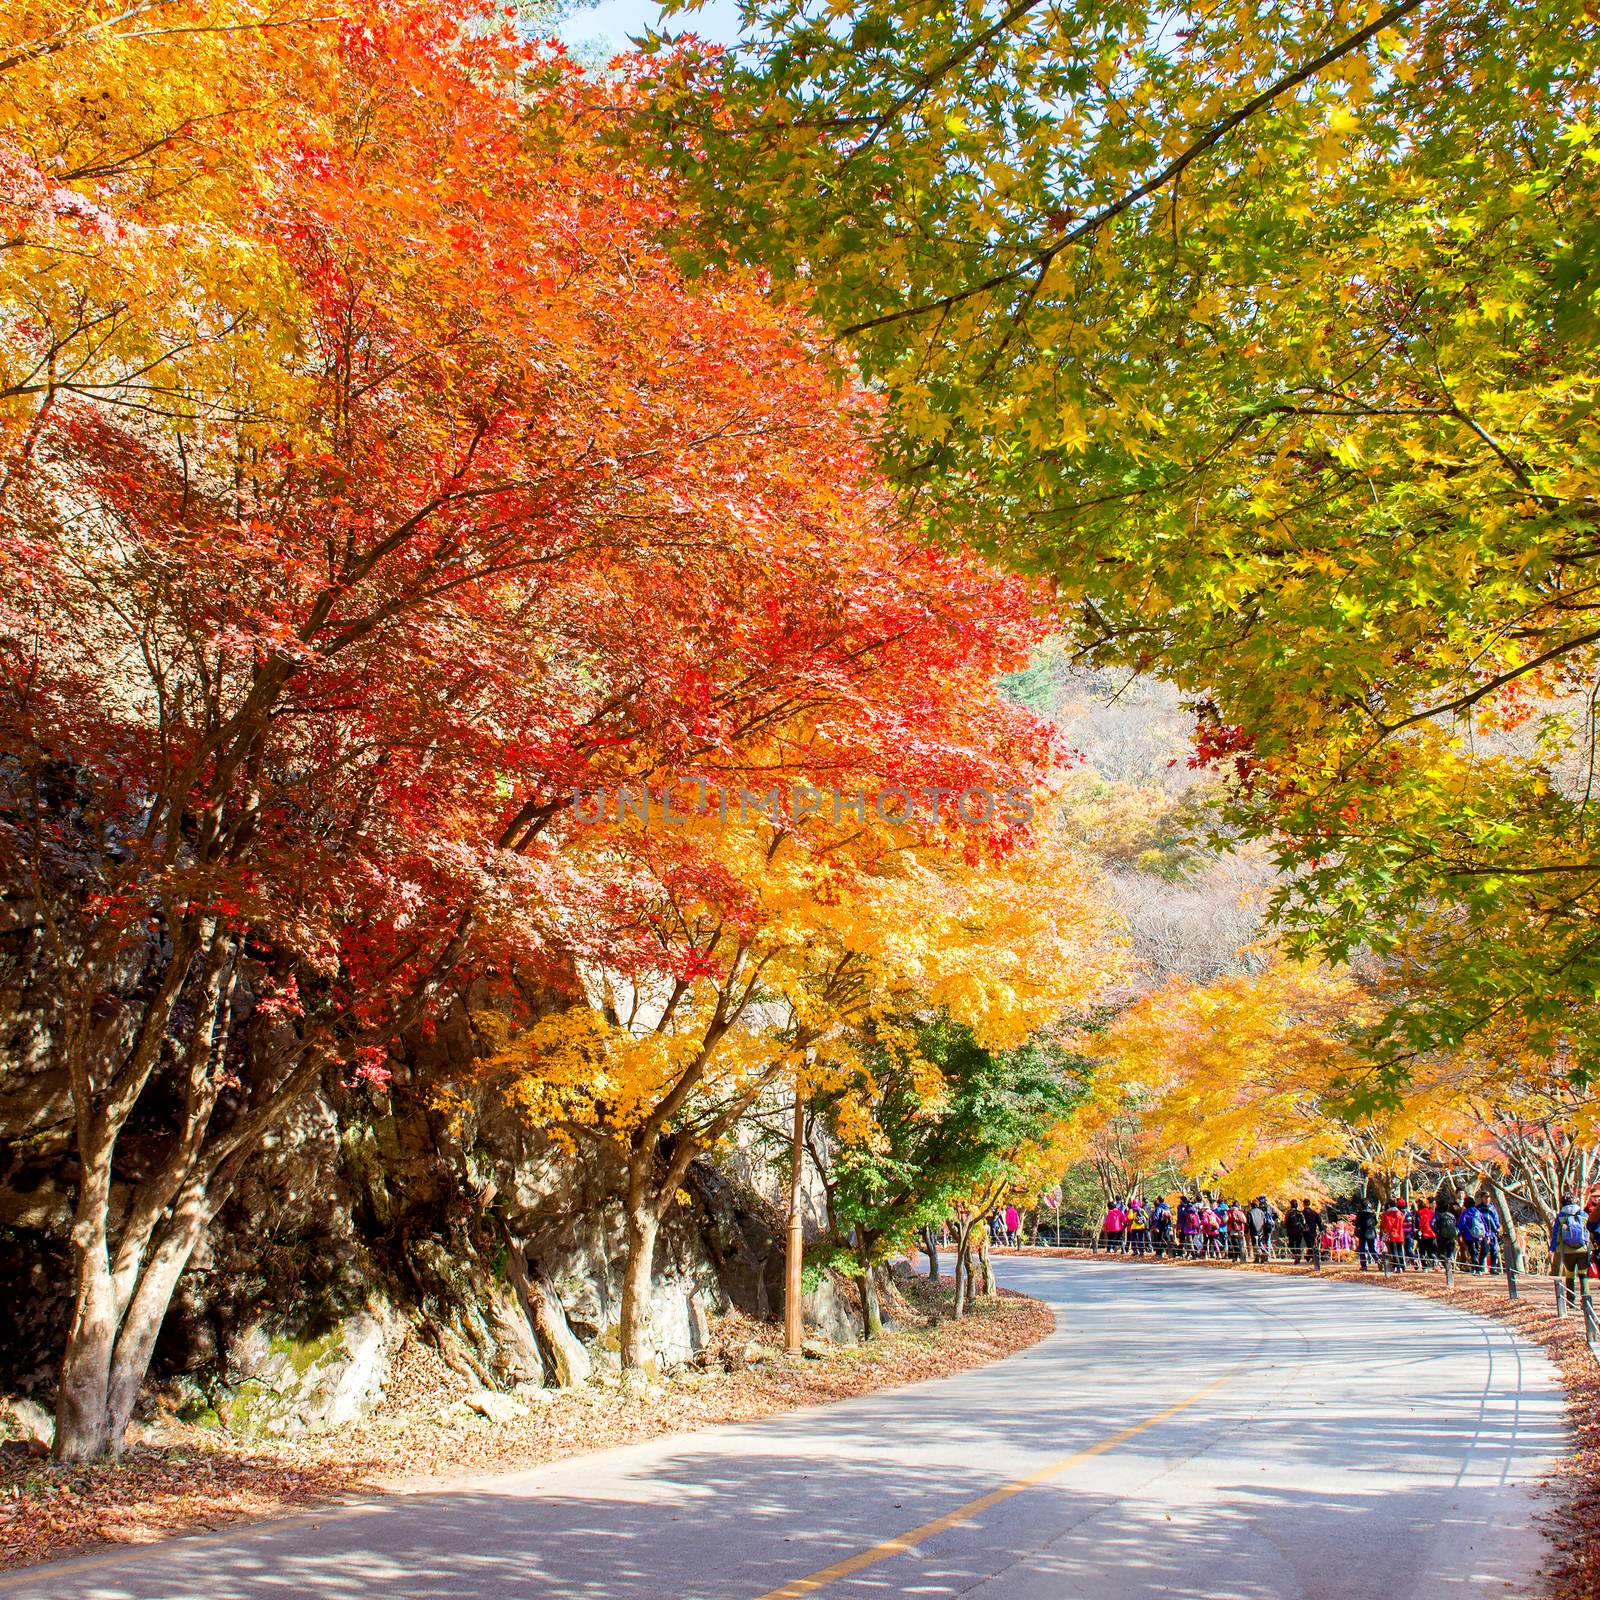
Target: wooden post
<point x="793" y="1327"/>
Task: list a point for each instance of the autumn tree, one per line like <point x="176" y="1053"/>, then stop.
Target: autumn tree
<point x="915" y="1112"/>
<point x="1252" y="1079"/>
<point x="1270" y="334"/>
<point x="1245" y="1080"/>
<point x="760" y="954"/>
<point x="372" y="482"/>
<point x="1498" y="1117"/>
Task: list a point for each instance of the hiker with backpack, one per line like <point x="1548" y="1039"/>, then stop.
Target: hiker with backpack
<point x="1366" y="1235"/>
<point x="1294" y="1231"/>
<point x="1114" y="1228"/>
<point x="1425" y="1237"/>
<point x="1161" y="1227"/>
<point x="1476" y="1233"/>
<point x="1189" y="1226"/>
<point x="1446" y="1232"/>
<point x="1138" y="1226"/>
<point x="1491" y="1233"/>
<point x="1236" y="1232"/>
<point x="1569" y="1249"/>
<point x="1311" y="1231"/>
<point x="1260" y="1230"/>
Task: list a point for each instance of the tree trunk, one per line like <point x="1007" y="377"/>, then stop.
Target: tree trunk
<point x="638" y="1347"/>
<point x="109" y="1346"/>
<point x="83" y="1425"/>
<point x="985" y="1262"/>
<point x="871" y="1310"/>
<point x="141" y="1323"/>
<point x="963" y="1269"/>
<point x="83" y="1421"/>
<point x="124" y="1283"/>
<point x="930" y="1243"/>
<point x="866" y="1245"/>
<point x="794" y="1327"/>
<point x="1510" y="1249"/>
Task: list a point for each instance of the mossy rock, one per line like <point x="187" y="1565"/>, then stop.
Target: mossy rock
<point x="303" y="1354"/>
<point x="305" y="1382"/>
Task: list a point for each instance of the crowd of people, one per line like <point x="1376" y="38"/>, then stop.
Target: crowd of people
<point x="1399" y="1235"/>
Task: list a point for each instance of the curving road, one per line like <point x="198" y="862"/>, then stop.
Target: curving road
<point x="1184" y="1432"/>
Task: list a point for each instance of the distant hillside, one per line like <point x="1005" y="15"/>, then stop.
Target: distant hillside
<point x="1135" y="804"/>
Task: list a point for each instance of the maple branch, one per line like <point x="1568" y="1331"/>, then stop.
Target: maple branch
<point x="62" y="38"/>
<point x="1040" y="261"/>
<point x="1462" y="702"/>
<point x="923" y="82"/>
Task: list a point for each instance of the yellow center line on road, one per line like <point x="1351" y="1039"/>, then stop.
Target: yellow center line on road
<point x="848" y="1566"/>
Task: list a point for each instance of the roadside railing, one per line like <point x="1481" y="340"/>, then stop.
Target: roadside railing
<point x="1565" y="1298"/>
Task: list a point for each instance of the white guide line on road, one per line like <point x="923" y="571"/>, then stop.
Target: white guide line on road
<point x="1183" y="1432"/>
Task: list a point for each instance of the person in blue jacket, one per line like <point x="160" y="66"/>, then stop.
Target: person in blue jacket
<point x="1475" y="1233"/>
<point x="1491" y="1233"/>
<point x="1569" y="1246"/>
<point x="1161" y="1227"/>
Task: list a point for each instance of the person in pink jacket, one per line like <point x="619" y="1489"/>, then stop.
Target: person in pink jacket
<point x="1014" y="1227"/>
<point x="1114" y="1229"/>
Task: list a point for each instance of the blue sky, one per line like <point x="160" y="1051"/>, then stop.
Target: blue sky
<point x="611" y="22"/>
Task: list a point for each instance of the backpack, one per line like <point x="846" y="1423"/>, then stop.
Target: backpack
<point x="1444" y="1228"/>
<point x="1473" y="1224"/>
<point x="1574" y="1236"/>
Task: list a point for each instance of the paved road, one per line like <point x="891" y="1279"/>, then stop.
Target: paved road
<point x="1184" y="1432"/>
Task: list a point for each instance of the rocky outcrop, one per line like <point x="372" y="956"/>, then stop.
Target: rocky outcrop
<point x="567" y="1362"/>
<point x="371" y="1218"/>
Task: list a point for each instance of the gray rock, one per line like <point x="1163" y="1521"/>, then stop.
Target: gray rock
<point x="289" y="1384"/>
<point x="496" y="1407"/>
<point x="825" y="1309"/>
<point x="31" y="1422"/>
<point x="699" y="1323"/>
<point x="520" y="1357"/>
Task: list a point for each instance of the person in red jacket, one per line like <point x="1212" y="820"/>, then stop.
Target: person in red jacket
<point x="1427" y="1243"/>
<point x="1392" y="1226"/>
